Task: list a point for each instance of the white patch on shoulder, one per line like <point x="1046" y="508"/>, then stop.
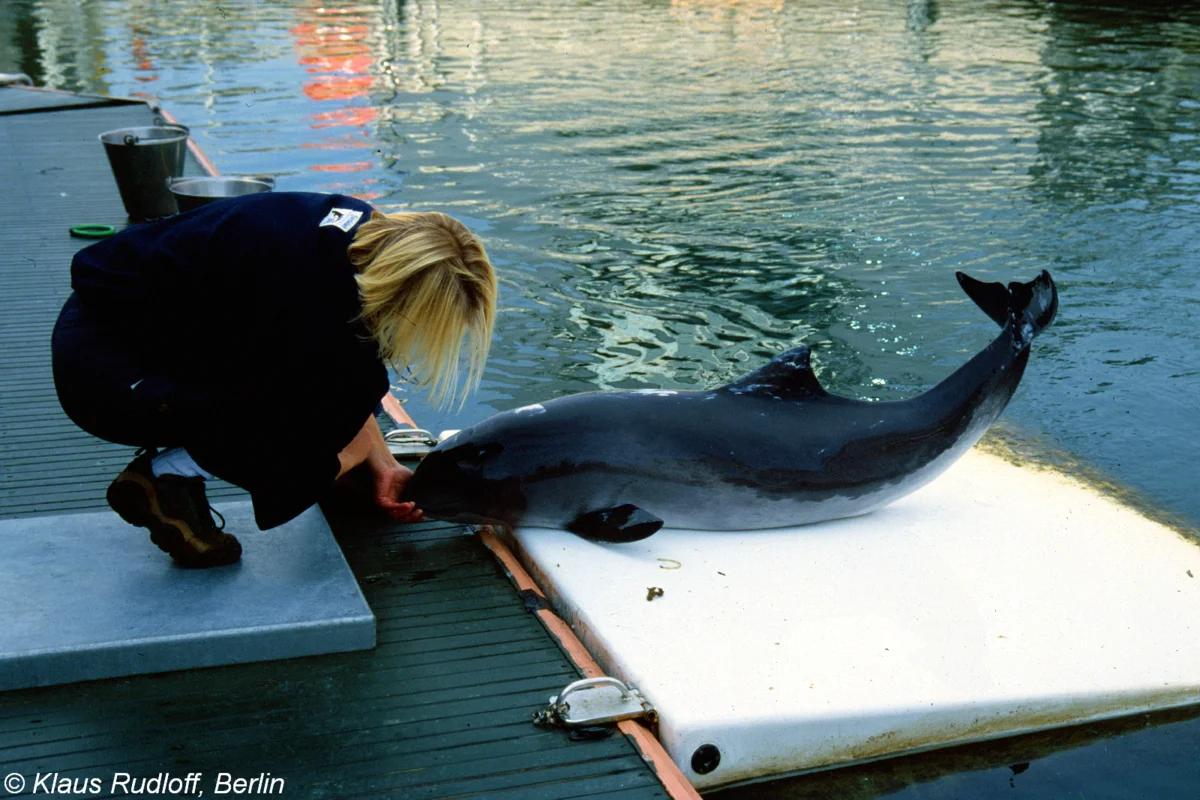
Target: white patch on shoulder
<point x="656" y="392"/>
<point x="343" y="218"/>
<point x="536" y="408"/>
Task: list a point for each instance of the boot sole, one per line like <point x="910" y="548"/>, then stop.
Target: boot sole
<point x="130" y="496"/>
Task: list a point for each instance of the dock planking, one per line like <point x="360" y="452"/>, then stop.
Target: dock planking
<point x="440" y="708"/>
<point x="54" y="175"/>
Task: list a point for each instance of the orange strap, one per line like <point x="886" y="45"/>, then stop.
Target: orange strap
<point x="396" y="411"/>
<point x="208" y="167"/>
<point x="668" y="771"/>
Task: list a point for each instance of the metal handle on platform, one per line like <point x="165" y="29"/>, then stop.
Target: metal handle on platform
<point x="591" y="683"/>
<point x="410" y="436"/>
<point x="595" y="707"/>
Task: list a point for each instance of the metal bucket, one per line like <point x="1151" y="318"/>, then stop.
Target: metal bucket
<point x="143" y="160"/>
<point x="194" y="192"/>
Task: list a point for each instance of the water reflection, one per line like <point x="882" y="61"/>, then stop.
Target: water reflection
<point x="1116" y="192"/>
<point x="921" y="15"/>
<point x="1118" y="80"/>
<point x="339" y="49"/>
<point x="676" y="190"/>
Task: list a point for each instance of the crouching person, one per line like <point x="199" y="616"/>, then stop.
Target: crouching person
<point x="248" y="339"/>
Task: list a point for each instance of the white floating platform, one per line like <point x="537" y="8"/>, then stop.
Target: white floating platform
<point x="87" y="596"/>
<point x="995" y="601"/>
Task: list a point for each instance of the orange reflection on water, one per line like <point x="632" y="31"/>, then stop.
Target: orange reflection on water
<point x="141" y="54"/>
<point x="337" y="88"/>
<point x="353" y="166"/>
<point x="332" y="46"/>
<point x="348" y="142"/>
<point x="357" y="116"/>
<point x="335" y="52"/>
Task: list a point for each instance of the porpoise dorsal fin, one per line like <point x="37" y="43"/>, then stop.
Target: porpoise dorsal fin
<point x="626" y="523"/>
<point x="788" y="376"/>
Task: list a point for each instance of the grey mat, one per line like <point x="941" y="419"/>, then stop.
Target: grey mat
<point x="86" y="596"/>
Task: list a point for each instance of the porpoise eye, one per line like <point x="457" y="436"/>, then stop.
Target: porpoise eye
<point x="474" y="457"/>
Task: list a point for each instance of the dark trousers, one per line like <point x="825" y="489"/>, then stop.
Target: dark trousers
<point x="112" y="384"/>
<point x="109" y="385"/>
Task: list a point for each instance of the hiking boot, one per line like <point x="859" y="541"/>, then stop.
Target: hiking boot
<point x="176" y="511"/>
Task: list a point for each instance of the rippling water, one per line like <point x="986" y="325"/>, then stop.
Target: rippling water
<point x="676" y="191"/>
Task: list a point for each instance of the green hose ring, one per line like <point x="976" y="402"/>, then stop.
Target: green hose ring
<point x="93" y="231"/>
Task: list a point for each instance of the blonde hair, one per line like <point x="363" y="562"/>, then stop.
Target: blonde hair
<point x="425" y="283"/>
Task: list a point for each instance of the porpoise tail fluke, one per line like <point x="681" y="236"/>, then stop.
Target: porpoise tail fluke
<point x="1031" y="306"/>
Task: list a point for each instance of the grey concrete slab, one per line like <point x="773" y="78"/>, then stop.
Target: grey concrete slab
<point x="85" y="596"/>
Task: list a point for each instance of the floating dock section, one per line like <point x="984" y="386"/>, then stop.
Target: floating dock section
<point x="997" y="600"/>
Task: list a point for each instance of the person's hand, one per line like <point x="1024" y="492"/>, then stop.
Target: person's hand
<point x="389" y="483"/>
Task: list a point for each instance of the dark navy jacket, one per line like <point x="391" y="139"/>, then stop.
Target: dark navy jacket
<point x="248" y="310"/>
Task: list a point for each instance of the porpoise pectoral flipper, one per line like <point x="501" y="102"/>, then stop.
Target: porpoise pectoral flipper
<point x="626" y="523"/>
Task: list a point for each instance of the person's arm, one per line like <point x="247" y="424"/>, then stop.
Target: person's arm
<point x="368" y="446"/>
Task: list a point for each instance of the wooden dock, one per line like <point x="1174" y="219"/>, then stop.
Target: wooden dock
<point x="440" y="708"/>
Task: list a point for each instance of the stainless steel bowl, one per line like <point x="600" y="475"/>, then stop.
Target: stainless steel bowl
<point x="193" y="192"/>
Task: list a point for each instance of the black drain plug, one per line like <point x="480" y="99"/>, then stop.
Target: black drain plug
<point x="706" y="758"/>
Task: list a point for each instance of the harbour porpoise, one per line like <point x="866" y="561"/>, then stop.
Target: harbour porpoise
<point x="772" y="449"/>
